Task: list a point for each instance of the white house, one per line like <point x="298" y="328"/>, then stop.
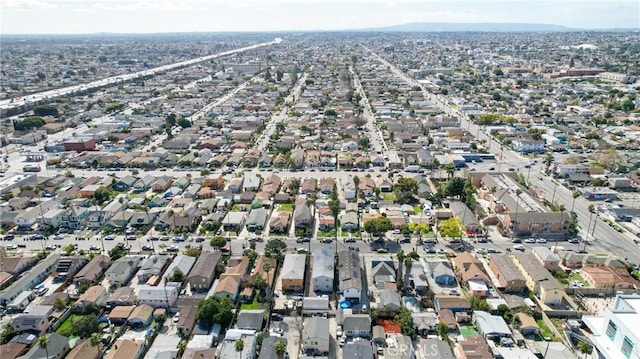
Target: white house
<point x="158" y="297"/>
<point x="315" y="336"/>
<point x="323" y="268"/>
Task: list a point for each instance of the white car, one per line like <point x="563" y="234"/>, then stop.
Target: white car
<point x="176" y="318"/>
<point x="529" y="240"/>
<point x="519" y="247"/>
<point x="541" y="240"/>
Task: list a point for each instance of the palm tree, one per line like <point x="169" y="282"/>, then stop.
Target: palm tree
<point x="356" y="182"/>
<point x="513" y="231"/>
<point x="401" y="256"/>
<point x="43" y="342"/>
<point x="548" y="160"/>
<point x="266" y="267"/>
<point x="280" y="348"/>
<point x="95" y="340"/>
<point x="575" y="195"/>
<point x="239" y="346"/>
<point x="451" y="169"/>
<point x="171" y="215"/>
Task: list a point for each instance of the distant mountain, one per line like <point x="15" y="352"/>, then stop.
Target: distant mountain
<point x="477" y="27"/>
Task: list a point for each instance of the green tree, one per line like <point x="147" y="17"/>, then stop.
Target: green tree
<point x="479" y="304"/>
<point x="46" y="110"/>
<point x="215" y="310"/>
<point x="69" y="248"/>
<point x="84" y="326"/>
<point x="218" y="242"/>
<point x="59" y="303"/>
<point x="405" y="189"/>
<point x="377" y="226"/>
<point x="239" y="346"/>
<point x="116" y="253"/>
<point x="280" y="348"/>
<point x="406" y="322"/>
<point x="450" y="168"/>
<point x="6" y="334"/>
<point x="443" y="331"/>
<point x="178" y="276"/>
<point x="455" y="187"/>
<point x="585" y="348"/>
<point x="43" y="342"/>
<point x="548" y="160"/>
<point x="95" y="340"/>
<point x="275" y="248"/>
<point x="451" y="227"/>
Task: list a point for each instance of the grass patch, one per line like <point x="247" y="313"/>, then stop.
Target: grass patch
<point x="576" y="277"/>
<point x="468" y="331"/>
<point x="417" y="209"/>
<point x="252" y="305"/>
<point x="286" y="207"/>
<point x="544" y="329"/>
<point x="331" y="233"/>
<point x="66" y="326"/>
<point x="389" y="196"/>
<point x="636" y="274"/>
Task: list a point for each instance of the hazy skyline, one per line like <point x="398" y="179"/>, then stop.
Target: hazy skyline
<point x="152" y="16"/>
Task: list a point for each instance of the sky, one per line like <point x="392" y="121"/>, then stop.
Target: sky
<point x="153" y="16"/>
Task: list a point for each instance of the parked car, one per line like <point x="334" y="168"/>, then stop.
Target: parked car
<point x="541" y="240"/>
<point x="529" y="240"/>
<point x="176" y="317"/>
<point x="349" y="240"/>
<point x="519" y="247"/>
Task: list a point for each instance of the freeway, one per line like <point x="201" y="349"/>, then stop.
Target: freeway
<point x="46" y="96"/>
<point x="598" y="236"/>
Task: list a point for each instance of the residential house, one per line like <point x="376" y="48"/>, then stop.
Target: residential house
<point x="251" y="183"/>
<point x="152" y="266"/>
<point x="350" y="276"/>
<point x="528" y="325"/>
<point x="251" y="319"/>
<point x="315" y="336"/>
<point x="141" y="316"/>
<point x="474" y="347"/>
<point x="57" y="348"/>
<point x="349" y="221"/>
<point x="547" y="257"/>
<point x="182" y="263"/>
<point x="120" y="314"/>
<point x="121" y="297"/>
<point x="126" y="349"/>
<point x="227" y="349"/>
<point x="292" y="272"/>
<point x="442" y="273"/>
<point x="509" y="277"/>
<point x="303" y="215"/>
<point x="280" y="222"/>
<point x="539" y="280"/>
<point x="32" y="322"/>
<point x="203" y="272"/>
<point x="158" y="297"/>
<point x="452" y="302"/>
<point x="91" y="272"/>
<point x="357" y="349"/>
<point x="257" y="219"/>
<point x="267" y="349"/>
<point x="96" y="295"/>
<point x="356" y="325"/>
<point x="125" y="183"/>
<point x="122" y="270"/>
<point x="187" y="320"/>
<point x="84" y="350"/>
<point x="608" y="278"/>
<point x="323" y="270"/>
<point x="491" y="326"/>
